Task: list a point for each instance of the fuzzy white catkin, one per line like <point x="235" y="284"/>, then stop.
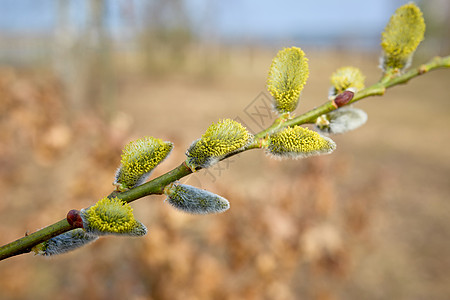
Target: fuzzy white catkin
<point x="194" y="200"/>
<point x="66" y="242"/>
<point x="343" y="120"/>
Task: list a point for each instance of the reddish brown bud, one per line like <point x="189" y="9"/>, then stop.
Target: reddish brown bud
<point x="74" y="218"/>
<point x="422" y="70"/>
<point x="343" y="98"/>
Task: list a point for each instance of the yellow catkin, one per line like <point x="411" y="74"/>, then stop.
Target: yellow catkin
<point x="287" y="76"/>
<point x="220" y="139"/>
<point x="139" y="158"/>
<point x="345" y="78"/>
<point x="298" y="142"/>
<point x="111" y="216"/>
<point x="402" y="35"/>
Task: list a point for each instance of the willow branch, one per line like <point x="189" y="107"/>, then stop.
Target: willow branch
<point x="156" y="186"/>
<point x="24" y="245"/>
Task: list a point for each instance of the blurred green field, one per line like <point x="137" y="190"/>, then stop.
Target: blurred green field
<point x="370" y="221"/>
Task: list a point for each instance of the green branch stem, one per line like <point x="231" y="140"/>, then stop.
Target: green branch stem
<point x="24" y="245"/>
<point x="156" y="186"/>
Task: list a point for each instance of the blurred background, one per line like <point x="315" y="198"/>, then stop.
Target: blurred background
<point x="80" y="79"/>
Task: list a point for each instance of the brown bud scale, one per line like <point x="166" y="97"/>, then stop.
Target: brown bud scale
<point x="74" y="218"/>
<point x="343" y="98"/>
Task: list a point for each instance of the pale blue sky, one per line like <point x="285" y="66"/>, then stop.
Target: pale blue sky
<point x="232" y="20"/>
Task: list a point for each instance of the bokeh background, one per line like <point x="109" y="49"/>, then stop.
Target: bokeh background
<point x="80" y="79"/>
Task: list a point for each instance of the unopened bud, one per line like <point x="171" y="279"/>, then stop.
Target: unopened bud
<point x="74" y="218"/>
<point x="343" y="98"/>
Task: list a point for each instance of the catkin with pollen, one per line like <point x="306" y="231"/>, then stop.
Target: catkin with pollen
<point x="111" y="216"/>
<point x="401" y="37"/>
<point x="298" y="142"/>
<point x="346" y="78"/>
<point x="220" y="139"/>
<point x="139" y="158"/>
<point x="287" y="76"/>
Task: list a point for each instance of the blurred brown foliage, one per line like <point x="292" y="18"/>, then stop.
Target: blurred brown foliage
<point x="334" y="227"/>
